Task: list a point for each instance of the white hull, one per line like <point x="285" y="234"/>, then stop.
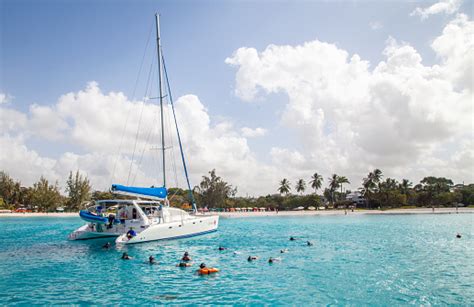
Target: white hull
<point x="86" y="233"/>
<point x="196" y="225"/>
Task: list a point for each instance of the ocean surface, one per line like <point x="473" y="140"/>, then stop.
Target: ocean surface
<point x="355" y="260"/>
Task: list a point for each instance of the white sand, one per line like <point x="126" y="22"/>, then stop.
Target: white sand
<point x="284" y="213"/>
<point x="349" y="212"/>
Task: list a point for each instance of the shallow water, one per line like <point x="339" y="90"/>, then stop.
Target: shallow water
<point x="375" y="260"/>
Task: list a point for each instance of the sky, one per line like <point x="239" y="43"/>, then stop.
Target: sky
<point x="263" y="90"/>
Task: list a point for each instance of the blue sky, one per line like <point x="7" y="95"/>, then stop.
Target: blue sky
<point x="50" y="48"/>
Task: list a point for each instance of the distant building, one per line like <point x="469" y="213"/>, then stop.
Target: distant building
<point x="356" y="198"/>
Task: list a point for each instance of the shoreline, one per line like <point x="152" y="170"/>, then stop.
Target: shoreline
<point x="285" y="213"/>
<point x="349" y="212"/>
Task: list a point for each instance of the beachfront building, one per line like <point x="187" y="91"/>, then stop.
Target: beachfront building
<point x="356" y="198"/>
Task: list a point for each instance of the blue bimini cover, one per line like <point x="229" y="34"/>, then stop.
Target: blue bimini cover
<point x="152" y="192"/>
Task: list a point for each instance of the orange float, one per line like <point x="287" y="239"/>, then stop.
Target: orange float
<point x="206" y="271"/>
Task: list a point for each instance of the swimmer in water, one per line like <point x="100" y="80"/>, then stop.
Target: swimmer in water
<point x="272" y="260"/>
<point x="202" y="266"/>
<point x="186" y="257"/>
<point x="252" y="258"/>
<point x="152" y="260"/>
<point x="292" y="239"/>
<point x="458" y="236"/>
<point x="125" y="256"/>
<point x="222" y="248"/>
<point x="309" y="243"/>
<point x="284" y="251"/>
<point x="106" y="245"/>
<point x="184" y="264"/>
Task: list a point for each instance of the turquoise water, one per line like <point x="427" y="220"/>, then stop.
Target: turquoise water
<point x="375" y="260"/>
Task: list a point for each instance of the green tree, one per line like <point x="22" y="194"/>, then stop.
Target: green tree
<point x="45" y="195"/>
<point x="213" y="191"/>
<point x="333" y="186"/>
<point x="78" y="189"/>
<point x="284" y="187"/>
<point x="405" y="186"/>
<point x="316" y="182"/>
<point x="300" y="186"/>
<point x="10" y="190"/>
<point x="341" y="180"/>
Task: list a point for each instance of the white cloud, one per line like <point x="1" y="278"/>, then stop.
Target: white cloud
<point x="350" y="119"/>
<point x="375" y="25"/>
<point x="251" y="133"/>
<point x="5" y="98"/>
<point x="93" y="122"/>
<point x="443" y="6"/>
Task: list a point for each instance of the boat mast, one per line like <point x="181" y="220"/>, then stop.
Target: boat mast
<point x="158" y="44"/>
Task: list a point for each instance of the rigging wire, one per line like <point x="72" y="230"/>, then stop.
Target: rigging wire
<point x="130" y="106"/>
<point x="179" y="138"/>
<point x="139" y="124"/>
<point x="147" y="142"/>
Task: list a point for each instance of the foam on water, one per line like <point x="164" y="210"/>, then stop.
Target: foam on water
<point x="404" y="259"/>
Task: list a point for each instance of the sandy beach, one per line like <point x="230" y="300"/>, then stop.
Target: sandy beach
<point x="284" y="213"/>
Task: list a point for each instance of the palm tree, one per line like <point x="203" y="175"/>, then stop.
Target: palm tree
<point x="333" y="185"/>
<point x="377" y="175"/>
<point x="300" y="186"/>
<point x="341" y="180"/>
<point x="316" y="182"/>
<point x="284" y="186"/>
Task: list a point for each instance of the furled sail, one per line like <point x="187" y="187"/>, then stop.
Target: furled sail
<point x="155" y="193"/>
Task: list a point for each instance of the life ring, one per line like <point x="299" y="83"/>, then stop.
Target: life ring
<point x="207" y="271"/>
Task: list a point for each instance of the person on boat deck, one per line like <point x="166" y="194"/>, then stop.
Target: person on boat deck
<point x="131" y="233"/>
<point x="186" y="257"/>
<point x="123" y="215"/>
<point x="125" y="256"/>
<point x="152" y="260"/>
<point x="111" y="221"/>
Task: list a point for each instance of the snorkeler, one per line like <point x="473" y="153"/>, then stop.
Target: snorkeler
<point x="292" y="239"/>
<point x="184" y="264"/>
<point x="458" y="236"/>
<point x="186" y="257"/>
<point x="125" y="256"/>
<point x="309" y="243"/>
<point x="252" y="258"/>
<point x="222" y="248"/>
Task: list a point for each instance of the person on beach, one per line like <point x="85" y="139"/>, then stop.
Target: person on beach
<point x="186" y="257"/>
<point x="125" y="256"/>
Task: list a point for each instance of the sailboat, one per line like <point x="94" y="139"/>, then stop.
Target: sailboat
<point x="148" y="216"/>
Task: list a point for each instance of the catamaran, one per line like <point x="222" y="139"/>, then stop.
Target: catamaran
<point x="148" y="216"/>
